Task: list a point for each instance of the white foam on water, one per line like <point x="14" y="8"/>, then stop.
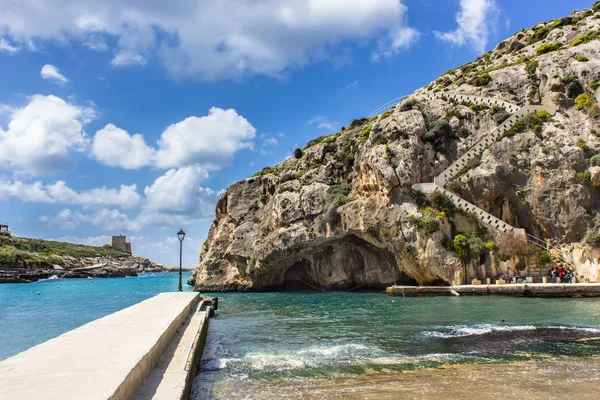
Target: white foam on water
<point x="51" y="278"/>
<point x="312" y="356"/>
<point x="482" y="329"/>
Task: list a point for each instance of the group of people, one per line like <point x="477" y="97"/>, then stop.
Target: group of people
<point x="561" y="274"/>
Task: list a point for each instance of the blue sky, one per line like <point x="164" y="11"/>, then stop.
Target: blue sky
<point x="131" y="117"/>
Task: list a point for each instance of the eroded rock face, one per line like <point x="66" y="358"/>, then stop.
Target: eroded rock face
<point x="340" y="216"/>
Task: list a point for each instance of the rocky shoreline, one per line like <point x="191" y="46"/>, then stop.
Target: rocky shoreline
<point x="92" y="267"/>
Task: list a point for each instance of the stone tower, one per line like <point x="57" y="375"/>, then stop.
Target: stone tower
<point x="120" y="243"/>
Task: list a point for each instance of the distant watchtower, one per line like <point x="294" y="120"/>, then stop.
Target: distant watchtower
<point x="4" y="231"/>
<point x="120" y="243"/>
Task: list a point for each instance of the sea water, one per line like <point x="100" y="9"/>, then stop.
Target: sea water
<point x="317" y="345"/>
<point x="28" y="319"/>
<point x="322" y="345"/>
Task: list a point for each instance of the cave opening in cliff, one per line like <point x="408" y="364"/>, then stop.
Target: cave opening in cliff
<point x="348" y="263"/>
<point x="297" y="278"/>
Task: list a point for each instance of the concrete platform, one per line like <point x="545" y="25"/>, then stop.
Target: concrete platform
<point x="522" y="290"/>
<point x="173" y="375"/>
<point x="105" y="359"/>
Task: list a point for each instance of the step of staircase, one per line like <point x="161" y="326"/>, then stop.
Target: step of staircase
<point x="486" y="218"/>
<point x="511" y="108"/>
<point x="454" y="169"/>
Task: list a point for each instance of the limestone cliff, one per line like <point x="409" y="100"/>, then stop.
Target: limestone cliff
<point x="342" y="215"/>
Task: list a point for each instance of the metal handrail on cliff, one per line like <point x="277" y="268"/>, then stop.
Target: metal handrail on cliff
<point x="547" y="246"/>
<point x="385" y="107"/>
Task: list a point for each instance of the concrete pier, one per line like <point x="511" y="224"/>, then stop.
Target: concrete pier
<point x="521" y="290"/>
<point x="105" y="359"/>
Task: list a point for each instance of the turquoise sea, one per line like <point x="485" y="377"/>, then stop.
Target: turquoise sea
<point x="282" y="343"/>
<point x="28" y="319"/>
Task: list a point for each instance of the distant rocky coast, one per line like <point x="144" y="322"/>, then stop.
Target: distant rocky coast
<point x="24" y="260"/>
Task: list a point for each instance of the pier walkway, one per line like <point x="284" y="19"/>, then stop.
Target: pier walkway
<point x="111" y="357"/>
<point x="514" y="289"/>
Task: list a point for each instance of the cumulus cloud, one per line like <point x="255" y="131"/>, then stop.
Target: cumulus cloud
<point x="208" y="141"/>
<point x="59" y="192"/>
<point x="34" y="192"/>
<point x="174" y="198"/>
<point x="216" y="39"/>
<point x="41" y="135"/>
<point x="475" y="19"/>
<point x="50" y="72"/>
<point x="115" y="147"/>
<point x="177" y="191"/>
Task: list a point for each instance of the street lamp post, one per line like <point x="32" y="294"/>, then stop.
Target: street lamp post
<point x="420" y="156"/>
<point x="463" y="243"/>
<point x="180" y="236"/>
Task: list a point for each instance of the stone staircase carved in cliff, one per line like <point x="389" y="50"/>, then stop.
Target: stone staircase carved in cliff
<point x="486" y="141"/>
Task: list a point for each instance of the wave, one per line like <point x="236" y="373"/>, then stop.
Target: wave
<point x="313" y="356"/>
<point x="51" y="278"/>
<point x="482" y="329"/>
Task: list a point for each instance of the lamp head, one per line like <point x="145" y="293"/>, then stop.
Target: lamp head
<point x="463" y="242"/>
<point x="181" y="235"/>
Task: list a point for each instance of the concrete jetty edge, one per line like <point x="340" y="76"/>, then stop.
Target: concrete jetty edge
<point x="521" y="290"/>
<point x="108" y="358"/>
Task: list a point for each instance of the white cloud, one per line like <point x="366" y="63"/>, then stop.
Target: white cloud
<point x="475" y="19"/>
<point x="175" y="198"/>
<point x="322" y="123"/>
<point x="208" y="141"/>
<point x="34" y="192"/>
<point x="216" y="39"/>
<point x="175" y="191"/>
<point x="268" y="140"/>
<point x="51" y="72"/>
<point x="211" y="139"/>
<point x="115" y="147"/>
<point x="105" y="219"/>
<point x="6" y="47"/>
<point x="59" y="192"/>
<point x="42" y="134"/>
<point x="124" y="58"/>
<point x="90" y="240"/>
<point x="352" y="86"/>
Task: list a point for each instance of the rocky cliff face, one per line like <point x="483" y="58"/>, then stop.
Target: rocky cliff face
<point x="343" y="215"/>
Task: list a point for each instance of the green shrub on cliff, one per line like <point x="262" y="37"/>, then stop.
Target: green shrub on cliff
<point x="539" y="34"/>
<point x="266" y="171"/>
<point x="481" y="79"/>
<point x="516" y="46"/>
<point x="584" y="102"/>
<point x="583" y="39"/>
<point x="428" y="222"/>
<point x="337" y="195"/>
<point x="530" y="121"/>
<point x="547" y="48"/>
<point x="595" y="161"/>
<point x="583" y="145"/>
<point x="592" y="237"/>
<point x="474" y="246"/>
<point x="441" y="202"/>
<point x="544" y="258"/>
<point x="584" y="176"/>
